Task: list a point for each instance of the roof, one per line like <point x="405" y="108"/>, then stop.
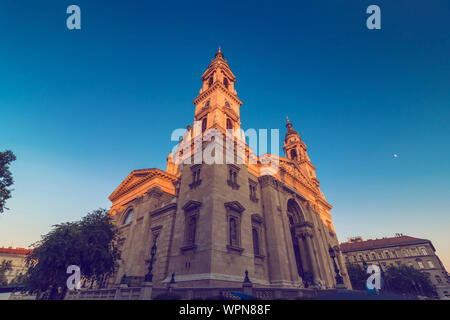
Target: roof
<point x="381" y="243"/>
<point x="17" y="251"/>
<point x="137" y="177"/>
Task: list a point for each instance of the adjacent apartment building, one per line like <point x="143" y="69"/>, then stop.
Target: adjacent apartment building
<point x="401" y="249"/>
<point x="17" y="257"/>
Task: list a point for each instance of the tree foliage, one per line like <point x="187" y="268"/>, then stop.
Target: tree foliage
<point x="358" y="277"/>
<point x="4" y="268"/>
<point x="407" y="280"/>
<point x="90" y="244"/>
<point x="6" y="179"/>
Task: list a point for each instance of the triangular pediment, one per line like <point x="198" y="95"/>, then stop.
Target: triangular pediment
<point x="235" y="206"/>
<point x="136" y="178"/>
<point x="192" y="205"/>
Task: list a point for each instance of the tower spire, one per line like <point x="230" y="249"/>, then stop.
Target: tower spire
<point x="219" y="54"/>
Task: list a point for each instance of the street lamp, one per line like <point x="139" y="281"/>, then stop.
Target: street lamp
<point x="339" y="279"/>
<point x="149" y="275"/>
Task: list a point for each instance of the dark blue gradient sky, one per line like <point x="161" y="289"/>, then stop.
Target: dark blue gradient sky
<point x="81" y="109"/>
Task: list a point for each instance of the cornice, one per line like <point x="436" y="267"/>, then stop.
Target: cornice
<point x="216" y="85"/>
<point x="166" y="208"/>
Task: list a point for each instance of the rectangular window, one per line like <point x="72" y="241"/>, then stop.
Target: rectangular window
<point x="196" y="181"/>
<point x="232" y="176"/>
<point x="252" y="188"/>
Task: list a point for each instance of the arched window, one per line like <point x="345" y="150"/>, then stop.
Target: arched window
<point x="234" y="241"/>
<point x="255" y="241"/>
<point x="294" y="210"/>
<point x="225" y="82"/>
<point x="129" y="217"/>
<point x="211" y="80"/>
<point x="227" y="104"/>
<point x="204" y="124"/>
<point x="229" y="124"/>
<point x="293" y="154"/>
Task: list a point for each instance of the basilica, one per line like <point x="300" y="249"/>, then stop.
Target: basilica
<point x="204" y="225"/>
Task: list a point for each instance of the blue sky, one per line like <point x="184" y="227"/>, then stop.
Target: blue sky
<point x="81" y="109"/>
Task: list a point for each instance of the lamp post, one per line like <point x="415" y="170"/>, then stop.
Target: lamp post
<point x="338" y="277"/>
<point x="149" y="275"/>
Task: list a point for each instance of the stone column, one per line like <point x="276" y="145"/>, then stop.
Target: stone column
<point x="315" y="268"/>
<point x="303" y="254"/>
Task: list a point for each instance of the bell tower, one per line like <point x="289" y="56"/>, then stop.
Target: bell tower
<point x="217" y="105"/>
<point x="295" y="149"/>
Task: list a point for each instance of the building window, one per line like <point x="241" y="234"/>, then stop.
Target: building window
<point x="367" y="257"/>
<point x="255" y="235"/>
<point x="405" y="252"/>
<point x="233" y="232"/>
<point x="430" y="264"/>
<point x="196" y="181"/>
<point x="252" y="189"/>
<point x="210" y="81"/>
<point x="374" y="257"/>
<point x="225" y="82"/>
<point x="128" y="217"/>
<point x="438" y="279"/>
<point x="234" y="211"/>
<point x="387" y="254"/>
<point x="204" y="124"/>
<point x="232" y="176"/>
<point x="227" y="104"/>
<point x="293" y="154"/>
<point x="206" y="106"/>
<point x="414" y="251"/>
<point x="191" y="216"/>
<point x="229" y="124"/>
<point x="421" y="266"/>
<point x="361" y="257"/>
<point x="191" y="230"/>
<point x="423" y="251"/>
<point x="380" y="255"/>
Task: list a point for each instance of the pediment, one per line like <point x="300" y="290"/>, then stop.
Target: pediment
<point x="192" y="205"/>
<point x="136" y="178"/>
<point x="257" y="218"/>
<point x="235" y="206"/>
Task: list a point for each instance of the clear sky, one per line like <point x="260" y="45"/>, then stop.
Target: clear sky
<point x="81" y="109"/>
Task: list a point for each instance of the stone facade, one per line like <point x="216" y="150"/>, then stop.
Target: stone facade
<point x="211" y="222"/>
<point x="414" y="252"/>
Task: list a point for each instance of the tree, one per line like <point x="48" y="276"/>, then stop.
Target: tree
<point x="90" y="244"/>
<point x="358" y="276"/>
<point x="4" y="268"/>
<point x="404" y="279"/>
<point x="6" y="179"/>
